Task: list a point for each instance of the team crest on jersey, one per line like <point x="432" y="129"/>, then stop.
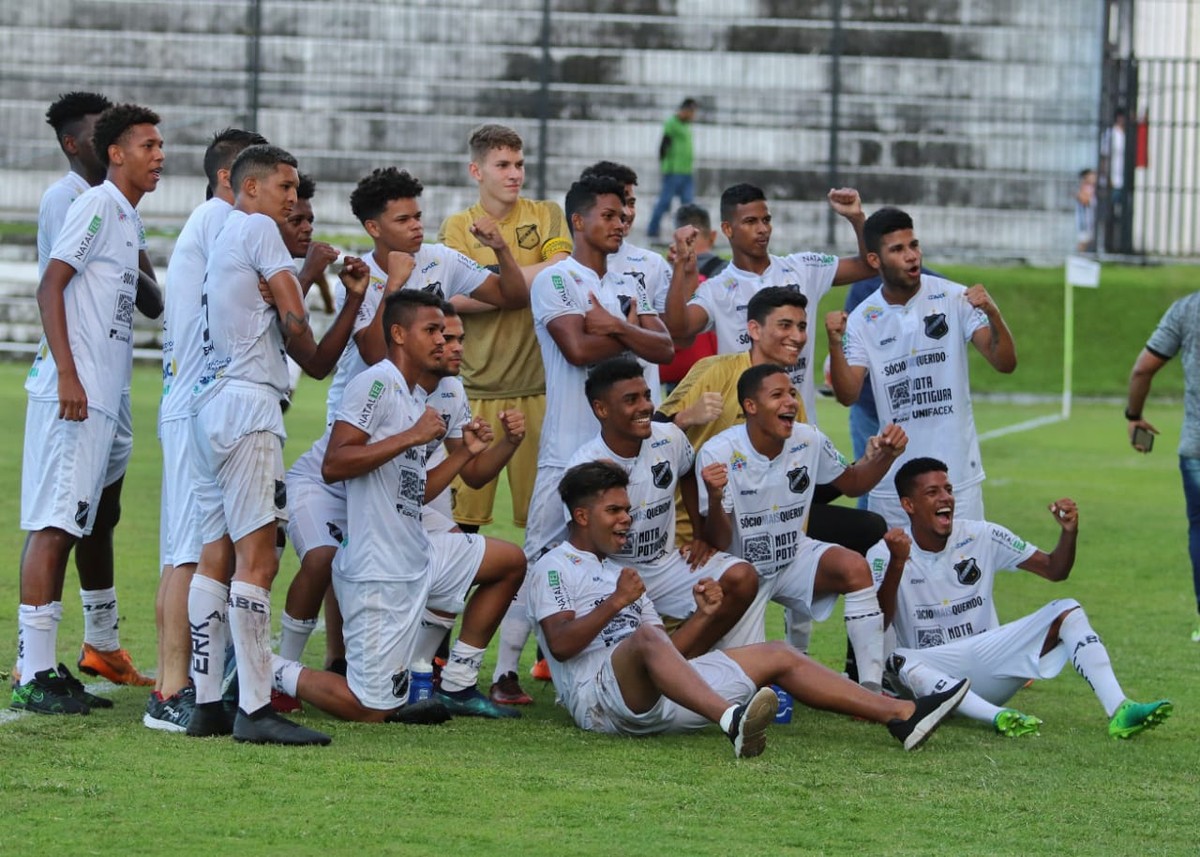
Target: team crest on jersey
<point x="737" y="462"/>
<point x="527" y="236"/>
<point x="660" y="472"/>
<point x="280" y="494"/>
<point x="798" y="480"/>
<point x="968" y="571"/>
<point x="81" y="513"/>
<point x="434" y="288"/>
<point x="400" y="682"/>
<point x="335" y="531"/>
<point x="936" y="326"/>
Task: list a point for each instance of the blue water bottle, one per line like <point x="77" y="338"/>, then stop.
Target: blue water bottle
<point x="420" y="685"/>
<point x="784" y="713"/>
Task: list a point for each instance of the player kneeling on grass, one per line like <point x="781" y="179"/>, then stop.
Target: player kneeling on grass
<point x="617" y="671"/>
<point x="937" y="592"/>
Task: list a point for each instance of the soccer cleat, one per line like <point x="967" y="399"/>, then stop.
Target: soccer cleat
<point x="172" y="713"/>
<point x="47" y="694"/>
<point x="116" y="666"/>
<point x="1195" y="639"/>
<point x="284" y="703"/>
<point x="748" y="731"/>
<point x="471" y="703"/>
<point x="211" y="720"/>
<point x="541" y="670"/>
<point x="78" y="691"/>
<point x="423" y="712"/>
<point x="1013" y="723"/>
<point x="931" y="711"/>
<point x="1134" y="717"/>
<point x="508" y="691"/>
<point x="266" y="727"/>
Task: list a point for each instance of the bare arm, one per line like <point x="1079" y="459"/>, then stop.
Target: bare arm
<point x="847" y="203"/>
<point x="718" y="525"/>
<point x="899" y="546"/>
<point x="568" y="634"/>
<point x="72" y="398"/>
<point x="149" y="299"/>
<point x="349" y="454"/>
<point x="864" y="474"/>
<point x="486" y="466"/>
<point x="1057" y="564"/>
<point x="506" y="290"/>
<point x="995" y="341"/>
<point x="1144" y="368"/>
<point x="708" y="596"/>
<point x="316" y="359"/>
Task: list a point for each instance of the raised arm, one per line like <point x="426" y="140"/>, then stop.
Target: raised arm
<point x="995" y="341"/>
<point x="864" y="474"/>
<point x="568" y="634"/>
<point x="847" y="380"/>
<point x="349" y="453"/>
<point x="847" y="203"/>
<point x="1057" y="564"/>
<point x="317" y="359"/>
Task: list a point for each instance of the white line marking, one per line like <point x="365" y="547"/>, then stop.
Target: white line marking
<point x="1020" y="427"/>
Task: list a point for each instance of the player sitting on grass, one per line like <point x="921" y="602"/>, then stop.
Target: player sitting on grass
<point x="938" y="588"/>
<point x="617" y="671"/>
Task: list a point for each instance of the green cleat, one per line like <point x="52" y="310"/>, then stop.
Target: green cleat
<point x="1196" y="633"/>
<point x="471" y="703"/>
<point x="1010" y="722"/>
<point x="48" y="693"/>
<point x="1134" y="717"/>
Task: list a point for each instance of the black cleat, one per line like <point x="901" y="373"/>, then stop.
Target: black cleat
<point x="47" y="694"/>
<point x="265" y="726"/>
<point x="423" y="712"/>
<point x="211" y="720"/>
<point x="748" y="732"/>
<point x="931" y="711"/>
<point x="78" y="691"/>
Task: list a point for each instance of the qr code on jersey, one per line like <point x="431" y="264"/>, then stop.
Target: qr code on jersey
<point x="898" y="395"/>
<point x="927" y="638"/>
<point x="412" y="490"/>
<point x="122" y="323"/>
<point x="757" y="549"/>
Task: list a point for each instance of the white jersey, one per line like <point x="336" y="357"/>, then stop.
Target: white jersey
<point x="449" y="399"/>
<point x="651" y="271"/>
<point x="437" y="269"/>
<point x="52" y="214"/>
<point x="183" y="330"/>
<point x="559" y="290"/>
<point x="947" y="596"/>
<point x="385" y="539"/>
<point x="242" y="340"/>
<point x="725" y="296"/>
<point x="653" y="475"/>
<point x="916" y="357"/>
<point x="100" y="239"/>
<point x="567" y="578"/>
<point x="769" y="498"/>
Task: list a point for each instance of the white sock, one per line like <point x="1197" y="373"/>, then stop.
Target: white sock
<point x="294" y="636"/>
<point x="797" y="631"/>
<point x="250" y="627"/>
<point x="100" y="618"/>
<point x="285" y="675"/>
<point x="39" y="638"/>
<point x="462" y="668"/>
<point x="514" y="631"/>
<point x="430" y="634"/>
<point x="18" y="667"/>
<point x="208" y="617"/>
<point x="726" y="720"/>
<point x="864" y="627"/>
<point x="1090" y="659"/>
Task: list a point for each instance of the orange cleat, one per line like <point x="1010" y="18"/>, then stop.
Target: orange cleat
<point x="541" y="670"/>
<point x="116" y="666"/>
<point x="507" y="691"/>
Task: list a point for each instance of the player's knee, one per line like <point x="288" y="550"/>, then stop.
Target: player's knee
<point x="649" y="637"/>
<point x="740" y="582"/>
<point x="108" y="512"/>
<point x="848" y="571"/>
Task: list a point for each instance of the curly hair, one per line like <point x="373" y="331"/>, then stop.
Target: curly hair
<point x="115" y="122"/>
<point x="373" y="192"/>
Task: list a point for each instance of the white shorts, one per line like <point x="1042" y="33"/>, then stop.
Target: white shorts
<point x="793" y="588"/>
<point x="998" y="662"/>
<point x="179" y="525"/>
<point x="669" y="581"/>
<point x="239" y="468"/>
<point x="456" y="558"/>
<point x="380" y="621"/>
<point x="602" y="708"/>
<point x="122" y="449"/>
<point x="316" y="513"/>
<point x="546" y="523"/>
<point x="63" y="468"/>
<point x="436" y="522"/>
<point x="968" y="504"/>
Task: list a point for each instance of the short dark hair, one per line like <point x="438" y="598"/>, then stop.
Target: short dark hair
<point x="739" y="194"/>
<point x="449" y="310"/>
<point x="71" y="107"/>
<point x="258" y="162"/>
<point x="582" y="196"/>
<point x="307" y="188"/>
<point x="688" y="103"/>
<point x="751" y="380"/>
<point x="612" y="170"/>
<point x="691" y="214"/>
<point x="765" y="301"/>
<point x="115" y="122"/>
<point x="884" y="222"/>
<point x="226" y="145"/>
<point x="909" y="472"/>
<point x="373" y="193"/>
<point x="590" y="479"/>
<point x="401" y="307"/>
<point x="608" y="372"/>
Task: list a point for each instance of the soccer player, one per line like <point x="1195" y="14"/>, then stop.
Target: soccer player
<point x="76" y="389"/>
<point x="658" y="458"/>
<point x="238" y="439"/>
<point x="169" y="706"/>
<point x="617" y="671"/>
<point x="911" y="336"/>
<point x="719" y="302"/>
<point x="935" y="585"/>
<point x="760" y="479"/>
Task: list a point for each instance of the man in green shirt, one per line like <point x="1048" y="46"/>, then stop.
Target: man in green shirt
<point x="675" y="161"/>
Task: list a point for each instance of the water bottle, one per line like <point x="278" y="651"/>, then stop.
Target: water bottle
<point x="420" y="684"/>
<point x="784" y="713"/>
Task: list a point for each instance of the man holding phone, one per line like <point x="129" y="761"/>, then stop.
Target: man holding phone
<point x="1177" y="333"/>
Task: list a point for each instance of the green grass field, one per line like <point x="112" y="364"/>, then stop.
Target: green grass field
<point x="104" y="784"/>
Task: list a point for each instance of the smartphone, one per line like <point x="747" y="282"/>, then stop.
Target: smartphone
<point x="1143" y="438"/>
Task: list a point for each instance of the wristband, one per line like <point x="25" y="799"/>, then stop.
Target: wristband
<point x="1132" y="417"/>
<point x="554" y="246"/>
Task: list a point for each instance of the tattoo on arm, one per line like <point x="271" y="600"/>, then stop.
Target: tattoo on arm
<point x="294" y="325"/>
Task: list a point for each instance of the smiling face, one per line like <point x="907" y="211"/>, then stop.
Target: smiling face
<point x="137" y="158"/>
<point x="604" y="521"/>
<point x="772" y="410"/>
<point x="930" y="506"/>
<point x="398" y="227"/>
<point x="781" y="336"/>
<point x="624" y="412"/>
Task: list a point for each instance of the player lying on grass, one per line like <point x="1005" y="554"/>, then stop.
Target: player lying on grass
<point x="937" y="593"/>
<point x="617" y="671"/>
